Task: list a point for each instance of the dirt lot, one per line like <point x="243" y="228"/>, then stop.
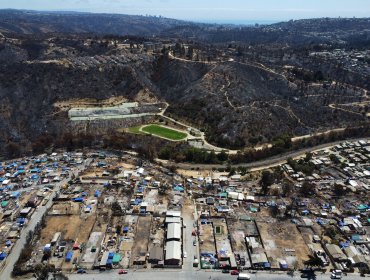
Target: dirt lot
<point x="199" y="173"/>
<point x="141" y="237"/>
<point x="237" y="231"/>
<point x="283" y="241"/>
<point x="72" y="227"/>
<point x="65" y="208"/>
<point x="206" y="234"/>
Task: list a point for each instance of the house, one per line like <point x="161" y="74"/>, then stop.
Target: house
<point x="361" y="261"/>
<point x="172" y="213"/>
<point x="25" y="211"/>
<point x="155" y="255"/>
<point x="210" y="201"/>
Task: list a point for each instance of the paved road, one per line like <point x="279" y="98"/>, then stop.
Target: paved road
<point x="5" y="273"/>
<point x="21" y="242"/>
<point x="189" y="248"/>
<point x="193" y="275"/>
<point x="266" y="163"/>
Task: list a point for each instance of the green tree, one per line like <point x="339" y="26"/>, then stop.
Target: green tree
<point x="287" y="189"/>
<point x="307" y="188"/>
<point x="313" y="261"/>
<point x="339" y="189"/>
<point x="266" y="181"/>
<point x="42" y="271"/>
<point x="308" y="157"/>
<point x="222" y="156"/>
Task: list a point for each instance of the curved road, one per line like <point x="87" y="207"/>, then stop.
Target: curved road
<point x="269" y="162"/>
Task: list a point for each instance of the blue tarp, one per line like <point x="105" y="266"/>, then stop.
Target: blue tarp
<point x="35" y="170"/>
<point x="137" y="201"/>
<point x="178" y="189"/>
<point x="84" y="194"/>
<point x="344" y="244"/>
<point x="97" y="194"/>
<point x="78" y="199"/>
<point x="3" y="256"/>
<point x="205" y="254"/>
<point x="110" y="255"/>
<point x="266" y="265"/>
<point x="69" y="256"/>
<point x="8" y="243"/>
<point x="125" y="229"/>
<point x="21" y="221"/>
<point x="356" y="237"/>
<point x="15" y="194"/>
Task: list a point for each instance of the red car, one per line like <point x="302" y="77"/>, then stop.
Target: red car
<point x="122" y="271"/>
<point x="234" y="272"/>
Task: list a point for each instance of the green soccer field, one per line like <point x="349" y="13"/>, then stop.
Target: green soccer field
<point x="164" y="132"/>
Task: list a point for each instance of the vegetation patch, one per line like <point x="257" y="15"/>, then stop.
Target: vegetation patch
<point x="164" y="132"/>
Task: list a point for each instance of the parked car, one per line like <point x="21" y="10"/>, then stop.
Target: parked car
<point x="81" y="271"/>
<point x="122" y="271"/>
<point x="225" y="271"/>
<point x="234" y="272"/>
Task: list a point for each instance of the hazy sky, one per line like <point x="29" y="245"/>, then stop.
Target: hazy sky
<point x="221" y="10"/>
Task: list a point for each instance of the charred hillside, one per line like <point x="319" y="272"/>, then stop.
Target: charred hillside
<point x="241" y="104"/>
<point x="240" y="95"/>
<point x="33" y="22"/>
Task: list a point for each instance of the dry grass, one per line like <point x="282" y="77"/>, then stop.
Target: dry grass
<point x="72" y="227"/>
<point x="279" y="236"/>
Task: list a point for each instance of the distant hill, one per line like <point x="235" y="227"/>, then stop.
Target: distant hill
<point x="317" y="31"/>
<point x="33" y="22"/>
<point x="297" y="32"/>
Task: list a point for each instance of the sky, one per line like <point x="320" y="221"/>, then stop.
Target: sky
<point x="206" y="10"/>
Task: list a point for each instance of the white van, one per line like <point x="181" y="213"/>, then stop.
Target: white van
<point x="244" y="276"/>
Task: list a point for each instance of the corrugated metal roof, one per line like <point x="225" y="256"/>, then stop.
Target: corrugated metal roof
<point x="173" y="231"/>
<point x="173" y="250"/>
